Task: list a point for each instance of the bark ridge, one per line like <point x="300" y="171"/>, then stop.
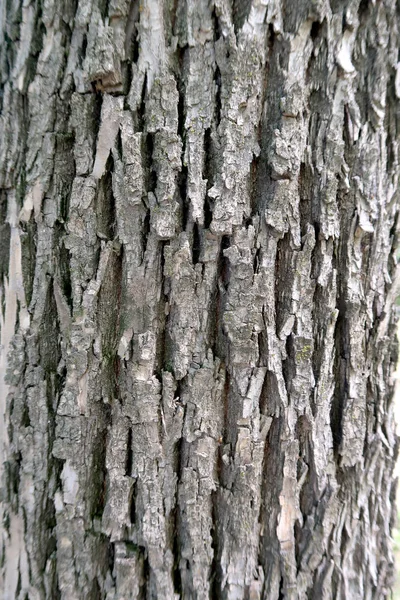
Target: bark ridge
<point x="198" y="234"/>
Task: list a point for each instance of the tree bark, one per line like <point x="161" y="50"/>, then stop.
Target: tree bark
<point x="199" y="223"/>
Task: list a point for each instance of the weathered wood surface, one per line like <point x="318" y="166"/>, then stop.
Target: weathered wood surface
<point x="199" y="222"/>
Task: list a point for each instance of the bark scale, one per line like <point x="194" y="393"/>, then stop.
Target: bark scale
<point x="199" y="223"/>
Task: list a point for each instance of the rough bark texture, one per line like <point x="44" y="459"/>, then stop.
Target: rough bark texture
<point x="199" y="206"/>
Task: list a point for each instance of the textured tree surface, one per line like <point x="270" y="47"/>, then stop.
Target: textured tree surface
<point x="198" y="229"/>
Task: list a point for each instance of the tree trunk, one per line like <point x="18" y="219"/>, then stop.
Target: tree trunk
<point x="199" y="220"/>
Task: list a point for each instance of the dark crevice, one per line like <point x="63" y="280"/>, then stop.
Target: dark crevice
<point x="315" y="32"/>
<point x="118" y="144"/>
<point x="196" y="246"/>
<point x="225" y="242"/>
<point x="363" y="9"/>
<point x="216" y="570"/>
<point x="176" y="569"/>
<point x="305" y="192"/>
<point x="371" y="398"/>
<point x="230" y="424"/>
<point x="299" y="533"/>
<point x="135" y="50"/>
<point x="163" y="321"/>
<point x="254" y="192"/>
<point x="96" y="119"/>
<point x="111" y="557"/>
<point x="207" y="213"/>
<point x="65" y="273"/>
<point x="103" y="7"/>
<point x="281" y="590"/>
<point x="262" y="342"/>
<point x="182" y="184"/>
<point x="82" y="50"/>
<point x="64" y="170"/>
<point x="317" y="229"/>
<point x="216" y="26"/>
<point x="16" y="474"/>
<point x="394" y="250"/>
<point x="289" y="364"/>
<point x="129" y="454"/>
<point x="180" y="456"/>
<point x="218" y="99"/>
<point x="177" y="579"/>
<point x="256" y="260"/>
<point x="23" y="107"/>
<point x="5" y="235"/>
<point x="19" y="584"/>
<point x="391" y="124"/>
<point x="271" y="39"/>
<point x="178" y="390"/>
<point x="224" y="269"/>
<point x="145" y="231"/>
<point x="208" y="174"/>
<point x="181" y="112"/>
<point x="394" y="228"/>
<point x="341" y="380"/>
<point x="344" y="541"/>
<point x="144" y="587"/>
<point x="152" y="173"/>
<point x="132" y="500"/>
<point x="208" y="160"/>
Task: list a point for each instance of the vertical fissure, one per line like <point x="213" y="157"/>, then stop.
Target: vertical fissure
<point x="176" y="547"/>
<point x="340" y="368"/>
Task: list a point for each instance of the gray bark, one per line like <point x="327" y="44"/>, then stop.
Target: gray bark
<point x="199" y="222"/>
